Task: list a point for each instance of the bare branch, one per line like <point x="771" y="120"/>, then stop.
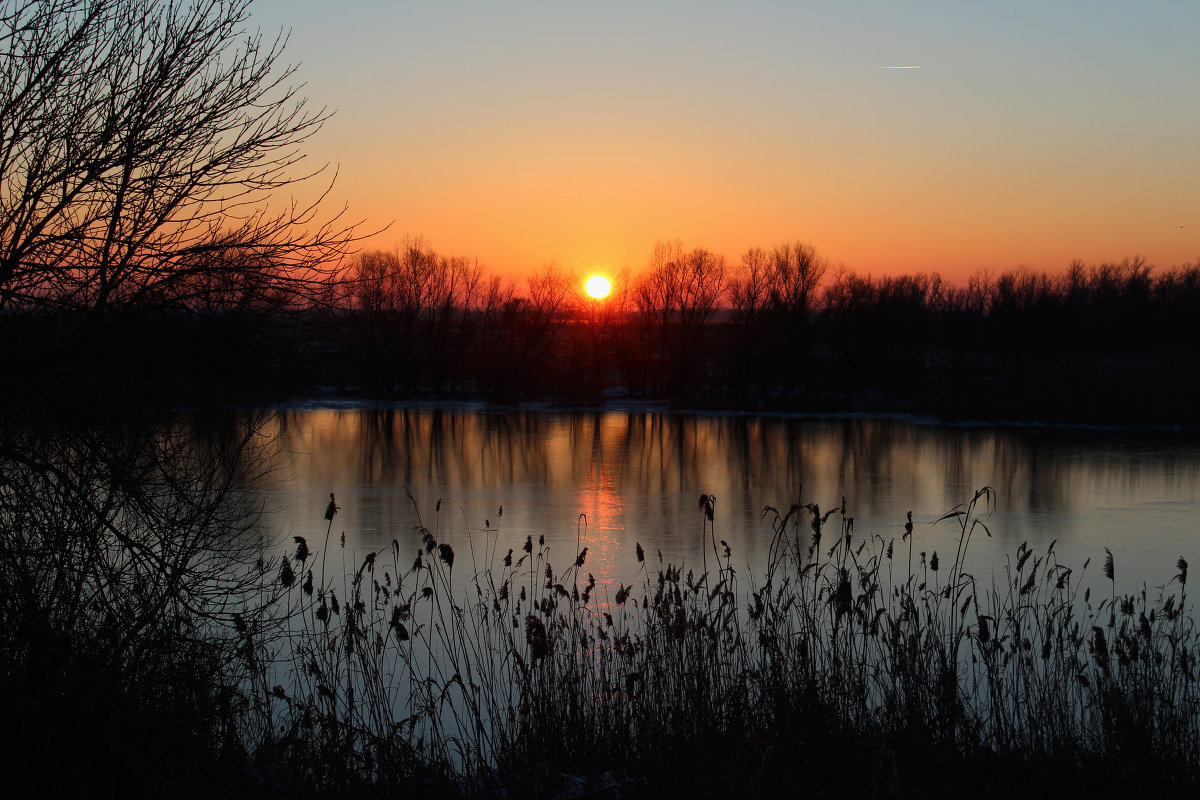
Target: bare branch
<point x="141" y="143"/>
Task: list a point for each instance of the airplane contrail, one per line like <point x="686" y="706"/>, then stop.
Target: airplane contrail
<point x="915" y="66"/>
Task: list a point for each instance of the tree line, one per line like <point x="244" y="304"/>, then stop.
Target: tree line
<point x="783" y="328"/>
<point x="148" y="149"/>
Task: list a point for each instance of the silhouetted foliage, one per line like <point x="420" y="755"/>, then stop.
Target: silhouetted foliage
<point x="140" y="144"/>
<point x="128" y="589"/>
<point x="772" y="299"/>
<point x="1114" y="342"/>
<point x="421" y="321"/>
<point x="673" y="300"/>
<point x="1104" y="343"/>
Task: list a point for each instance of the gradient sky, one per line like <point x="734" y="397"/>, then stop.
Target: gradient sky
<point x="520" y="133"/>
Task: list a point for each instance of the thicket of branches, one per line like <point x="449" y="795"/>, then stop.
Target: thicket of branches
<point x="147" y="148"/>
<point x="146" y="151"/>
<point x="418" y="320"/>
<point x="127" y="568"/>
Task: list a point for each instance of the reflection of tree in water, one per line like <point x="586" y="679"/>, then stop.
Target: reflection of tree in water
<point x="538" y="463"/>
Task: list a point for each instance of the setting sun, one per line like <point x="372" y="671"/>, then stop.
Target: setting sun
<point x="598" y="286"/>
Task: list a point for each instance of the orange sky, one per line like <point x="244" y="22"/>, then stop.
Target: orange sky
<point x="522" y="133"/>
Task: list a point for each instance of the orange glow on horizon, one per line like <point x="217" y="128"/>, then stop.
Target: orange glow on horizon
<point x="884" y="171"/>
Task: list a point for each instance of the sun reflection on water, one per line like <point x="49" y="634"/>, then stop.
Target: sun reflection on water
<point x="635" y="477"/>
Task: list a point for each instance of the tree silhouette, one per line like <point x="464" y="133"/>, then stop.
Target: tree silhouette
<point x="415" y="314"/>
<point x="675" y="298"/>
<point x="140" y="144"/>
<point x="749" y="300"/>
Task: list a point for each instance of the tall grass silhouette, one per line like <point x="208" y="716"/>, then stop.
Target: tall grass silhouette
<point x="535" y="674"/>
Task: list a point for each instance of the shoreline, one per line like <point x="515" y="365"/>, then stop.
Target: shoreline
<point x="337" y="400"/>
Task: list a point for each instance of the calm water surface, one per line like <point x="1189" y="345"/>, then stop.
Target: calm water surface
<point x="608" y="479"/>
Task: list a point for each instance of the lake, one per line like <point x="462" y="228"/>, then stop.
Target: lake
<point x="607" y="480"/>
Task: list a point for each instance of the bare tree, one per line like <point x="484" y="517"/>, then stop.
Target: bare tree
<point x="796" y="270"/>
<point x="772" y="298"/>
<point x="749" y="288"/>
<point x="749" y="295"/>
<point x="376" y="314"/>
<point x="551" y="305"/>
<point x="500" y="361"/>
<point x="458" y="282"/>
<point x="414" y="313"/>
<point x="676" y="295"/>
<point x="140" y="143"/>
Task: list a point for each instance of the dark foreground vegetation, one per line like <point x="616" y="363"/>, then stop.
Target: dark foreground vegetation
<point x="841" y="666"/>
<point x="154" y="642"/>
<point x="151" y="640"/>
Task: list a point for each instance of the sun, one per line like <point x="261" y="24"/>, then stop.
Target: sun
<point x="598" y="286"/>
